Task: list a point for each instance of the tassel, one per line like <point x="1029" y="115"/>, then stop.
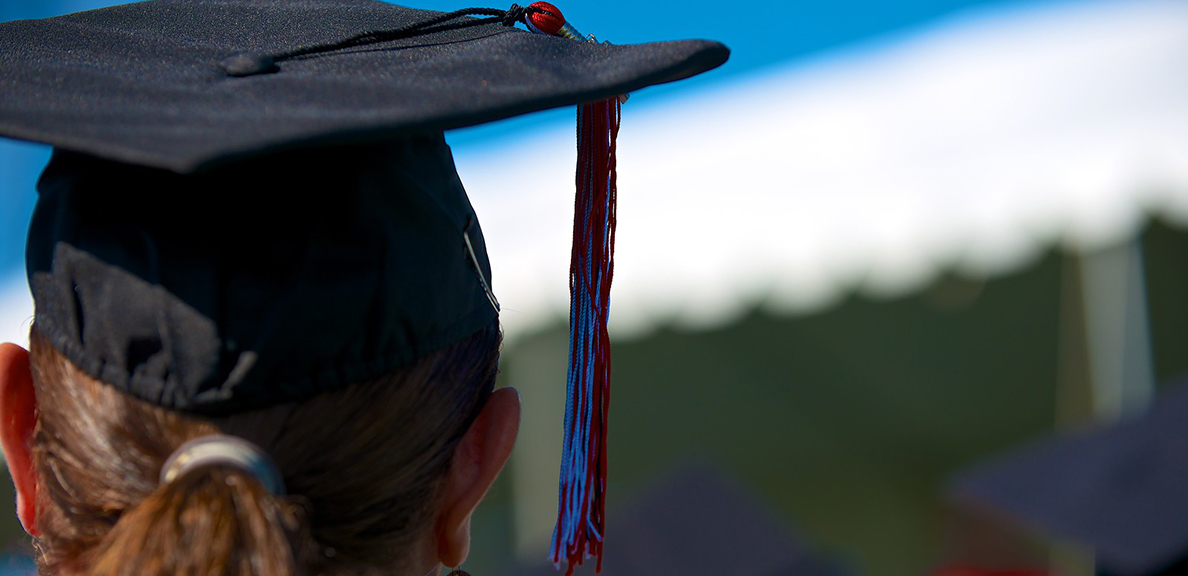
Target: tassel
<point x="581" y="499"/>
<point x="580" y="519"/>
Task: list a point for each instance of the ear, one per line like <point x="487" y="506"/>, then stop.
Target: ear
<point x="18" y="417"/>
<point x="477" y="461"/>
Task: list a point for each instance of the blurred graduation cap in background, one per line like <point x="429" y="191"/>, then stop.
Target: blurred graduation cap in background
<point x="1120" y="488"/>
<point x="251" y="201"/>
<point x="696" y="520"/>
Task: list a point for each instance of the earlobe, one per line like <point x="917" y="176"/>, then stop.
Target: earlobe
<point x="477" y="462"/>
<point x="18" y="419"/>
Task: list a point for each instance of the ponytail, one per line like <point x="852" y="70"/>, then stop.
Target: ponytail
<point x="213" y="520"/>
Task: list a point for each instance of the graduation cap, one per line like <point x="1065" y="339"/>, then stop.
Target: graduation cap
<point x="251" y="202"/>
<point x="695" y="519"/>
<point x="1121" y="489"/>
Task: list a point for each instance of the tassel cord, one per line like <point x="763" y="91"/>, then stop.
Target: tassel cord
<point x="579" y="532"/>
<point x="441" y="23"/>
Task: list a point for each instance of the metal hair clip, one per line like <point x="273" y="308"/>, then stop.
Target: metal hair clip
<point x="224" y="450"/>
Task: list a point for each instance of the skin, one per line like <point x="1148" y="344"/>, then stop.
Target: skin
<point x="477" y="462"/>
<point x="18" y="417"/>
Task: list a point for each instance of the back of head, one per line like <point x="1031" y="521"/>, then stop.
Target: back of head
<point x="363" y="469"/>
<point x="252" y="225"/>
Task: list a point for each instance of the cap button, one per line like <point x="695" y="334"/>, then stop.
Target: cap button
<point x="548" y="22"/>
<point x="248" y="64"/>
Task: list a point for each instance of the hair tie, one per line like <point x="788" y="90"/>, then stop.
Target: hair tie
<point x="223" y="450"/>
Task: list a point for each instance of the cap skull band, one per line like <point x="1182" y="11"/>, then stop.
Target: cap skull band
<point x="251" y="201"/>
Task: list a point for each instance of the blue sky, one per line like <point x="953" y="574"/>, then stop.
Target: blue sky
<point x="763" y="34"/>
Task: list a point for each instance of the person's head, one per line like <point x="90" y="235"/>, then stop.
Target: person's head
<point x="381" y="476"/>
<point x="328" y="306"/>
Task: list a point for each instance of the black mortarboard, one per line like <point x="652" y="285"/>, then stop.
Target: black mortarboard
<point x="1121" y="489"/>
<point x="148" y="83"/>
<point x="251" y="201"/>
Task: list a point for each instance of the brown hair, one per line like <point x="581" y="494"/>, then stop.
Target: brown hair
<point x="362" y="467"/>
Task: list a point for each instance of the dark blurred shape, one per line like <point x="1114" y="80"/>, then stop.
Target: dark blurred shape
<point x="696" y="521"/>
<point x="952" y="292"/>
<point x="1122" y="489"/>
<point x="970" y="571"/>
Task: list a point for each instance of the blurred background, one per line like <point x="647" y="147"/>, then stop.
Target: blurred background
<point x="887" y="241"/>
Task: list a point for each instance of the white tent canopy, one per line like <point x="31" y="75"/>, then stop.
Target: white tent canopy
<point x="970" y="146"/>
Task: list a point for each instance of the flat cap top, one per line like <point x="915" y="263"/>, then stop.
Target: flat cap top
<point x="149" y="83"/>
